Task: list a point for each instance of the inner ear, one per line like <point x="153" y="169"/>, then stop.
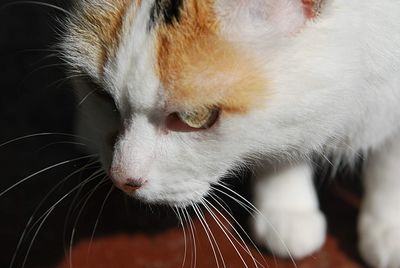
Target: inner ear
<point x="282" y="17"/>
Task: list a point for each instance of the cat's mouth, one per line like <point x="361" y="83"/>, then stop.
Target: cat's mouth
<point x="173" y="197"/>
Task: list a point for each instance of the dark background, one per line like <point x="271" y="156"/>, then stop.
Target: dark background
<point x="37" y="98"/>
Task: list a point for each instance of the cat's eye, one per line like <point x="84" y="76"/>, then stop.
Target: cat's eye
<point x="200" y="119"/>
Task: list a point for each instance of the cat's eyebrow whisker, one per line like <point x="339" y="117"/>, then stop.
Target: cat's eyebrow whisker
<point x="59" y="82"/>
<point x="209" y="234"/>
<point x="44" y="170"/>
<point x="40" y="205"/>
<point x="55" y="53"/>
<point x="26" y="78"/>
<point x="29" y="75"/>
<point x="228" y="235"/>
<point x="250" y="208"/>
<point x="214" y="197"/>
<point x="208" y="205"/>
<point x="86" y="97"/>
<point x="38" y="3"/>
<point x="98" y="219"/>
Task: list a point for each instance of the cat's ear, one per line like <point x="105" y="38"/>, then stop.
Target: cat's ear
<point x="261" y="16"/>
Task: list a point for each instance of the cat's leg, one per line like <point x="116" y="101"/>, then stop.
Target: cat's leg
<point x="379" y="223"/>
<point x="291" y="224"/>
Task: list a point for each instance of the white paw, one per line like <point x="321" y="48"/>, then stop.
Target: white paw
<point x="291" y="233"/>
<point x="379" y="242"/>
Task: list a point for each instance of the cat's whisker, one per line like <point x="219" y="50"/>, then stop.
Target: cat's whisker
<point x="193" y="259"/>
<point x="63" y="143"/>
<point x="184" y="222"/>
<point x="193" y="231"/>
<point x="43" y="134"/>
<point x="209" y="234"/>
<point x="250" y="208"/>
<point x="38" y="3"/>
<point x="222" y="204"/>
<point x="94" y="175"/>
<point x="214" y="197"/>
<point x="35" y="235"/>
<point x="251" y="213"/>
<point x="73" y="232"/>
<point x="228" y="235"/>
<point x="21" y="239"/>
<point x="178" y="215"/>
<point x="98" y="219"/>
<point x="241" y="243"/>
<point x="45" y="215"/>
<point x="44" y="170"/>
<point x="90" y="179"/>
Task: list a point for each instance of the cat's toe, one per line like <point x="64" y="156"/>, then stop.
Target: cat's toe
<point x="290" y="233"/>
<point x="379" y="242"/>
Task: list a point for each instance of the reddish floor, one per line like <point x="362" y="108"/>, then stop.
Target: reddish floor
<point x="167" y="250"/>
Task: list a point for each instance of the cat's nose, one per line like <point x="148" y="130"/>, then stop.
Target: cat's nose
<point x="129" y="185"/>
<point x="124" y="181"/>
<point x="132" y="185"/>
<point x="126" y="184"/>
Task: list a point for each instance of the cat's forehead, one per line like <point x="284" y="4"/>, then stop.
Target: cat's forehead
<point x="169" y="48"/>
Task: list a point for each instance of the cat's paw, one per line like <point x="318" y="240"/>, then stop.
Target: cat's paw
<point x="290" y="233"/>
<point x="379" y="242"/>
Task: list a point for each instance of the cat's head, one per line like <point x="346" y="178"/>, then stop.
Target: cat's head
<point x="186" y="83"/>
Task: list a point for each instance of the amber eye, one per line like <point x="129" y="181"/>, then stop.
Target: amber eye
<point x="200" y="119"/>
<point x="196" y="120"/>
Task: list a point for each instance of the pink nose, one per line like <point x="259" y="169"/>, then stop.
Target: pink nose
<point x="123" y="181"/>
<point x="129" y="185"/>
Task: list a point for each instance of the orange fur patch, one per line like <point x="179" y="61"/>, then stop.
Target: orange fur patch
<point x="198" y="68"/>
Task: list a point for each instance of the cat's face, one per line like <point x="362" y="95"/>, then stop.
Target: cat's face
<point x="188" y="82"/>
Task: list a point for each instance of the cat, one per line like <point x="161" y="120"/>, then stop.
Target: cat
<point x="177" y="93"/>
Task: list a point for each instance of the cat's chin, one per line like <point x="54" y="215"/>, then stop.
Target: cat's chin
<point x="175" y="199"/>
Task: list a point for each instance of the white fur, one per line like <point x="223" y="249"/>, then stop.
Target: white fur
<point x="379" y="225"/>
<point x="335" y="87"/>
<point x="291" y="223"/>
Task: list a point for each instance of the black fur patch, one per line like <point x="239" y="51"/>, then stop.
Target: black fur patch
<point x="165" y="11"/>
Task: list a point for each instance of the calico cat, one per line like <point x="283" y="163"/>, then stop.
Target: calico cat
<point x="180" y="92"/>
